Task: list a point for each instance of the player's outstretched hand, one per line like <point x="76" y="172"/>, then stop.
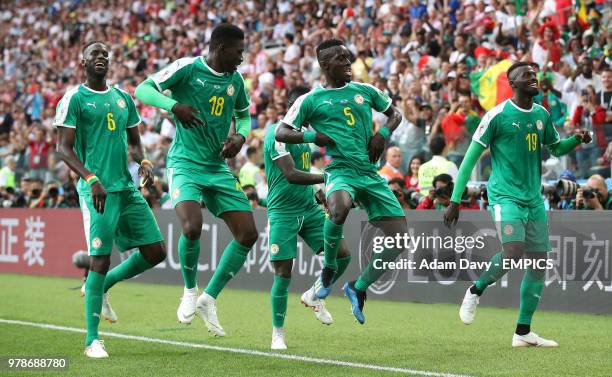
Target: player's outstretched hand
<point x="451" y="214"/>
<point x="376" y="147"/>
<point x="584" y="136"/>
<point x="323" y="140"/>
<point x="145" y="171"/>
<point x="232" y="146"/>
<point x="187" y="115"/>
<point x="98" y="195"/>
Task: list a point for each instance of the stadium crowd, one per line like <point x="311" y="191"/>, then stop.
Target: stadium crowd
<point x="427" y="56"/>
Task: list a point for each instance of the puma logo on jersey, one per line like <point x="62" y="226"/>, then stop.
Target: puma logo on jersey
<point x="328" y="101"/>
<point x="516" y="124"/>
<point x="93" y="104"/>
<point x="201" y="82"/>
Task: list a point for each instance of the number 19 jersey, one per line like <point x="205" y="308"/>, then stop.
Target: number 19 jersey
<point x="215" y="95"/>
<point x="515" y="136"/>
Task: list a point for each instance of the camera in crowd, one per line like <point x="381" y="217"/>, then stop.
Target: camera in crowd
<point x="475" y="192"/>
<point x="569" y="189"/>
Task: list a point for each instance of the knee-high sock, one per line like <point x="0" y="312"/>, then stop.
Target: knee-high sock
<point x="343" y="263"/>
<point x="189" y="253"/>
<point x="370" y="274"/>
<point x="332" y="234"/>
<point x="278" y="300"/>
<point x="231" y="261"/>
<point x="94" y="289"/>
<point x="531" y="289"/>
<point x="491" y="274"/>
<point x="134" y="265"/>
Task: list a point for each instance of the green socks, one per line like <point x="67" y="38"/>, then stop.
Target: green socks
<point x="189" y="253"/>
<point x="134" y="265"/>
<point x="278" y="300"/>
<point x="231" y="262"/>
<point x="531" y="289"/>
<point x="342" y="265"/>
<point x="371" y="274"/>
<point x="492" y="274"/>
<point x="332" y="233"/>
<point x="94" y="289"/>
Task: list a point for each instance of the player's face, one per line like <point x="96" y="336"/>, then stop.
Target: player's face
<point x="232" y="52"/>
<point x="96" y="60"/>
<point x="526" y="81"/>
<point x="338" y="65"/>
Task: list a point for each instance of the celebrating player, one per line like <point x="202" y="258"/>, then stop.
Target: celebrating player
<point x="293" y="210"/>
<point x="205" y="93"/>
<point x="341" y="115"/>
<point x="515" y="130"/>
<point x="96" y="123"/>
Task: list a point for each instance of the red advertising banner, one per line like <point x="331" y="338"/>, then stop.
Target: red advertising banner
<point x="40" y="241"/>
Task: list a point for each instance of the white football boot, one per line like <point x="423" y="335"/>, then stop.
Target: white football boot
<point x="532" y="340"/>
<point x="187" y="308"/>
<point x="467" y="312"/>
<point x="310" y="300"/>
<point x="107" y="312"/>
<point x="278" y="339"/>
<point x="96" y="350"/>
<point x="207" y="310"/>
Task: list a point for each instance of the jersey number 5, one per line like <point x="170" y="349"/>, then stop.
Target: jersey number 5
<point x="532" y="142"/>
<point x="350" y="119"/>
<point x="216" y="107"/>
<point x="110" y="122"/>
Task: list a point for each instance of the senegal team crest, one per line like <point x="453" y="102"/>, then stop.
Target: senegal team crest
<point x="539" y="125"/>
<point x="230" y="90"/>
<point x="176" y="193"/>
<point x="121" y="103"/>
<point x="359" y="99"/>
<point x="96" y="243"/>
<point x="274" y="249"/>
<point x="508" y="230"/>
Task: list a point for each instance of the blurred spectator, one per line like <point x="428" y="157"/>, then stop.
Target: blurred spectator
<point x="412" y="175"/>
<point x="391" y="169"/>
<point x="439" y="196"/>
<point x="250" y="170"/>
<point x="397" y="186"/>
<point x="591" y="116"/>
<point x="436" y="166"/>
<point x="7" y="173"/>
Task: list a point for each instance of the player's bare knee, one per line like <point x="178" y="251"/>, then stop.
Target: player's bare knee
<point x="192" y="230"/>
<point x="513" y="250"/>
<point x="247" y="237"/>
<point x="283" y="268"/>
<point x="100" y="264"/>
<point x="338" y="214"/>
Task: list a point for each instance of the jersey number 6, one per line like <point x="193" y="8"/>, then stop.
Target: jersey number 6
<point x="110" y="122"/>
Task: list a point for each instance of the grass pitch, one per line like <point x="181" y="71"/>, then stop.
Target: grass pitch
<point x="418" y="337"/>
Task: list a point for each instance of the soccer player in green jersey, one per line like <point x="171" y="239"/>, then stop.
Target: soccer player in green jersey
<point x="293" y="211"/>
<point x="342" y="111"/>
<point x="515" y="131"/>
<point x="205" y="94"/>
<point x="95" y="124"/>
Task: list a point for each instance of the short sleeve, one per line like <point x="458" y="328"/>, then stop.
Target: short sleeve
<point x="550" y="135"/>
<point x="380" y="100"/>
<point x="299" y="112"/>
<point x="133" y="116"/>
<point x="242" y="102"/>
<point x="172" y="74"/>
<point x="67" y="111"/>
<point x="486" y="129"/>
<point x="274" y="148"/>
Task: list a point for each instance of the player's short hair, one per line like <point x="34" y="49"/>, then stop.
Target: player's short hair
<point x="89" y="44"/>
<point x="329" y="43"/>
<point x="316" y="155"/>
<point x="225" y="33"/>
<point x="437" y="145"/>
<point x="295" y="93"/>
<point x="398" y="181"/>
<point x="515" y="66"/>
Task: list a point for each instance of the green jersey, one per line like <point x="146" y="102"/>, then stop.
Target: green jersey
<point x="285" y="198"/>
<point x="515" y="137"/>
<point x="100" y="120"/>
<point x="215" y="95"/>
<point x="345" y="115"/>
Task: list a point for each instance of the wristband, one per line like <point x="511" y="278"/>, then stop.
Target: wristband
<point x="384" y="132"/>
<point x="143" y="162"/>
<point x="91" y="179"/>
<point x="310" y="136"/>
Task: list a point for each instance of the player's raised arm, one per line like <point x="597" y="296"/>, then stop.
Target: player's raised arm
<point x="150" y="92"/>
<point x="287" y="166"/>
<point x="297" y="115"/>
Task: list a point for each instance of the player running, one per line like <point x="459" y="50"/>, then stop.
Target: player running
<point x="95" y="124"/>
<point x="293" y="211"/>
<point x="205" y="94"/>
<point x="343" y="111"/>
<point x="514" y="130"/>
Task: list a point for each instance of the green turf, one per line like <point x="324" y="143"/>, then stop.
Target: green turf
<point x="405" y="335"/>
